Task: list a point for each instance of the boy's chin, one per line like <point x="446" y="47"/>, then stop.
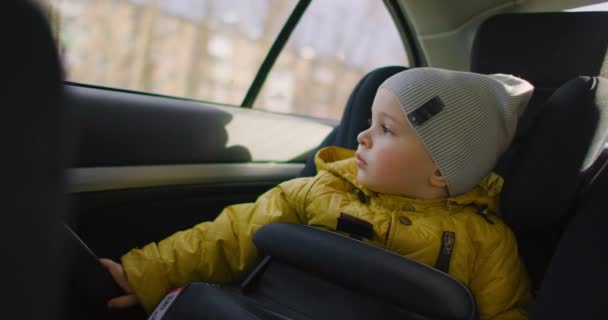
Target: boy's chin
<point x="365" y="181"/>
<point x="373" y="186"/>
<point x="361" y="179"/>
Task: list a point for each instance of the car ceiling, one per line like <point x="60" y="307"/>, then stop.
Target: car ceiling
<point x="445" y="29"/>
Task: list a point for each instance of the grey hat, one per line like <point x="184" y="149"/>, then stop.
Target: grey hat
<point x="466" y="120"/>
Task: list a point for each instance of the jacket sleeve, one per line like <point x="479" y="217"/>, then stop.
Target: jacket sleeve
<point x="500" y="283"/>
<point x="218" y="251"/>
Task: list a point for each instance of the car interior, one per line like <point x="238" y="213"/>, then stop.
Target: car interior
<point x="121" y="168"/>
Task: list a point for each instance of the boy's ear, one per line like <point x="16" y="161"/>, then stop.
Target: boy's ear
<point x="437" y="180"/>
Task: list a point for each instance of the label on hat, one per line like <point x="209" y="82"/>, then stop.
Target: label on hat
<point x="425" y="112"/>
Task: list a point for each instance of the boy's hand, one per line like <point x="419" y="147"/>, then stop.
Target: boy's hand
<point x="118" y="273"/>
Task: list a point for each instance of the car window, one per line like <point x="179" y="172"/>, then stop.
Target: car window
<point x="335" y="43"/>
<point x="200" y="49"/>
<point x="593" y="7"/>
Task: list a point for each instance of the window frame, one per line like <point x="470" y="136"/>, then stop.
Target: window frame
<point x="405" y="29"/>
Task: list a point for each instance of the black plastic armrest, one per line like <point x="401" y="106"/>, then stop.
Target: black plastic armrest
<point x="360" y="266"/>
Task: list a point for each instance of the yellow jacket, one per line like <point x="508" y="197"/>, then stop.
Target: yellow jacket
<point x="485" y="256"/>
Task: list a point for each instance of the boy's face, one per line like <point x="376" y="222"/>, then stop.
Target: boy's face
<point x="391" y="158"/>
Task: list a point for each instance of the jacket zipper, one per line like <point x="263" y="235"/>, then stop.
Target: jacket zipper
<point x="388" y="233"/>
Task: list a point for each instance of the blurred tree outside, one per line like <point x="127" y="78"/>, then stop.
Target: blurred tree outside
<point x="211" y="49"/>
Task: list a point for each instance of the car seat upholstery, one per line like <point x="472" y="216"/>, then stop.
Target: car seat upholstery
<point x="544" y="170"/>
<point x="574" y="284"/>
<point x="545" y="49"/>
<point x="34" y="158"/>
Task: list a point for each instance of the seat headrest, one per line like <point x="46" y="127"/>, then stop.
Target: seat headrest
<point x="546" y="167"/>
<point x="601" y="132"/>
<point x="546" y="49"/>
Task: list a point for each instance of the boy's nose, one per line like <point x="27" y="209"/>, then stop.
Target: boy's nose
<point x="363" y="139"/>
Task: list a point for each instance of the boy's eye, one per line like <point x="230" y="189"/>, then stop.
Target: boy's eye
<point x="384" y="127"/>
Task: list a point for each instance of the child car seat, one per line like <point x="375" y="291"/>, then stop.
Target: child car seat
<point x="575" y="281"/>
<point x="545" y="49"/>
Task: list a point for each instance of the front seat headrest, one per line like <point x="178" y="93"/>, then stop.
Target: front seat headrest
<point x="547" y="48"/>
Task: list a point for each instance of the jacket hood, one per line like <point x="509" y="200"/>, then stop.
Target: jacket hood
<point x="341" y="162"/>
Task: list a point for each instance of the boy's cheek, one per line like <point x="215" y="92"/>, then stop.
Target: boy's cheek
<point x="389" y="163"/>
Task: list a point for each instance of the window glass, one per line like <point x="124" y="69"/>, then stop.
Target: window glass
<point x="594" y="7"/>
<point x="200" y="49"/>
<point x="335" y="43"/>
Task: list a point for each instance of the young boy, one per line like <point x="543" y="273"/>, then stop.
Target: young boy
<point x="421" y="176"/>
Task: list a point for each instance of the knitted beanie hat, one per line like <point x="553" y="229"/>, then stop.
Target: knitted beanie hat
<point x="465" y="120"/>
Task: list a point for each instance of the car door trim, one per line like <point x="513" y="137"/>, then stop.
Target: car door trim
<point x="128" y="177"/>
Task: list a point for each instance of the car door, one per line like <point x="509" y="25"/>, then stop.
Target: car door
<point x="183" y="107"/>
<point x="173" y="117"/>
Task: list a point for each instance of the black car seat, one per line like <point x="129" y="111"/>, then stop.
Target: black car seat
<point x="548" y="167"/>
<point x="574" y="284"/>
<point x="547" y="49"/>
<point x="34" y="159"/>
<point x="558" y="232"/>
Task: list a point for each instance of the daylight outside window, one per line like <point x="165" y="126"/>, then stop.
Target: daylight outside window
<point x="200" y="49"/>
<point x="211" y="50"/>
<point x="335" y="44"/>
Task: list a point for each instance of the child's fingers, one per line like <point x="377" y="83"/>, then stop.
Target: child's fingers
<point x="118" y="273"/>
<point x="109" y="264"/>
<point x="123" y="301"/>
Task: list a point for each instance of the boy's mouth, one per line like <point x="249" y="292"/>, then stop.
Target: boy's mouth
<point x="359" y="161"/>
